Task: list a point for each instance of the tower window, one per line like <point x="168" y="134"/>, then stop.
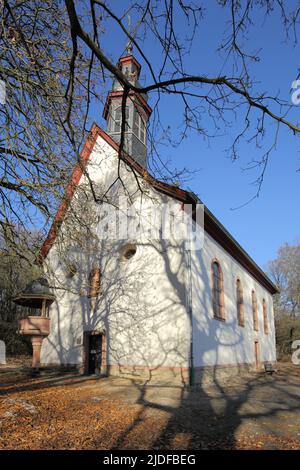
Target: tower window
<point x="139" y="127"/>
<point x="117" y="125"/>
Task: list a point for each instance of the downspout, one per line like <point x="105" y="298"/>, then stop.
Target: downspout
<point x="188" y="251"/>
<point x="189" y="292"/>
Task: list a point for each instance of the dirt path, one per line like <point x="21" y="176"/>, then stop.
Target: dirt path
<point x="75" y="412"/>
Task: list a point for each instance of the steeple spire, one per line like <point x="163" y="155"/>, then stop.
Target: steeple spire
<point x="137" y="110"/>
<point x="129" y="46"/>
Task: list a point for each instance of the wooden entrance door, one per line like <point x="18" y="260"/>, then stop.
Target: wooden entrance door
<point x="94" y="353"/>
<point x="256" y="353"/>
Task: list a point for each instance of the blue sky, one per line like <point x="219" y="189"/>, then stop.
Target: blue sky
<point x="272" y="219"/>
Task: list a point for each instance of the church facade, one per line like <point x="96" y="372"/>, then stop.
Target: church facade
<point x="139" y="306"/>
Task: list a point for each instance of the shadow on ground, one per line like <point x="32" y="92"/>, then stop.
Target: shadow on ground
<point x="67" y="411"/>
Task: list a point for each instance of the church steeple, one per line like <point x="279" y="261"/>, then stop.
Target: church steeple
<point x="137" y="110"/>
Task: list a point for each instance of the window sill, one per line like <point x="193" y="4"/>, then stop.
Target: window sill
<point x="219" y="318"/>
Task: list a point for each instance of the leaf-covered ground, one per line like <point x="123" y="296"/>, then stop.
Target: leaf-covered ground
<point x="75" y="412"/>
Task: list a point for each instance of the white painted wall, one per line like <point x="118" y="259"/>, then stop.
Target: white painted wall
<point x="142" y="305"/>
<point x="143" y="301"/>
<point x="217" y="342"/>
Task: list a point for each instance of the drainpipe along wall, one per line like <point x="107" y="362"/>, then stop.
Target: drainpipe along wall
<point x="189" y="305"/>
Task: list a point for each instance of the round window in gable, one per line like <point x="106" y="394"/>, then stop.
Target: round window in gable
<point x="71" y="270"/>
<point x="128" y="251"/>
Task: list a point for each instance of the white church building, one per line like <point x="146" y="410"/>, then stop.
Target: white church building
<point x="135" y="305"/>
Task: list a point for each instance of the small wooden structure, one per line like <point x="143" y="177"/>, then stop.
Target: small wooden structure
<point x="36" y="296"/>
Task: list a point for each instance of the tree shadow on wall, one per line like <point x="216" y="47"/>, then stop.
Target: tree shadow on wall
<point x="142" y="307"/>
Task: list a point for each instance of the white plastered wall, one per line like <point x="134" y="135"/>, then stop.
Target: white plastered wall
<point x="227" y="343"/>
<point x="142" y="304"/>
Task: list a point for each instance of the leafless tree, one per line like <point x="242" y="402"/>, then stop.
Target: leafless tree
<point x="285" y="271"/>
<point x="57" y="65"/>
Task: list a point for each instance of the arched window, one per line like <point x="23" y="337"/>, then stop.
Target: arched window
<point x="240" y="303"/>
<point x="94" y="282"/>
<point x="139" y="127"/>
<point x="265" y="316"/>
<point x="217" y="291"/>
<point x="254" y="310"/>
<point x="117" y="124"/>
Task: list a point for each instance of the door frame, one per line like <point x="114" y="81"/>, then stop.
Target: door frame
<point x="86" y="341"/>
